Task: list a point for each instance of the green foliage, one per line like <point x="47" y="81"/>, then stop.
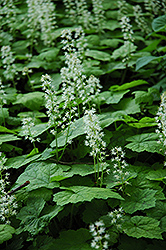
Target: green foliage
<point x="80" y="194"/>
<point x="64" y="195"/>
<point x="6" y="232"/>
<point x="140" y="226"/>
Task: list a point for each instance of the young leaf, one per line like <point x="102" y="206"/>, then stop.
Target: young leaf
<point x="143" y="123"/>
<point x="128" y="85"/>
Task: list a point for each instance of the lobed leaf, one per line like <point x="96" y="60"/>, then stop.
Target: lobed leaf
<point x="139" y="199"/>
<point x="140" y="226"/>
<point x="77" y="194"/>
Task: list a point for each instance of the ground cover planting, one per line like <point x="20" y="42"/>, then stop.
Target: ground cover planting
<point x="82" y="125"/>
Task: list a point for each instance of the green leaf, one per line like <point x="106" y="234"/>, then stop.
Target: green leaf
<point x="98" y="55"/>
<point x="6" y="232"/>
<point x="77" y="194"/>
<point x="8" y="138"/>
<point x="50" y="54"/>
<point x="111" y="25"/>
<point x="159" y="23"/>
<point x="30" y="215"/>
<point x="6" y="130"/>
<point x="158" y="211"/>
<point x="128" y="105"/>
<point x="110" y="97"/>
<point x="143" y="61"/>
<point x="76" y="169"/>
<point x="19" y="161"/>
<point x="39" y="175"/>
<point x="33" y="152"/>
<point x="32" y="100"/>
<point x="140" y="226"/>
<point x="144" y="142"/>
<point x="144" y="122"/>
<point x="139" y="200"/>
<point x="128" y="85"/>
<point x="144" y="96"/>
<point x="4" y="113"/>
<point x="157" y="175"/>
<point x="123" y="51"/>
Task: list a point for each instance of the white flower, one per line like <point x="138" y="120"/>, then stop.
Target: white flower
<point x="119" y="165"/>
<point x="41" y="16"/>
<point x="99" y="236"/>
<point x="8" y="62"/>
<point x="27" y="129"/>
<point x="8" y="203"/>
<point x="161" y="121"/>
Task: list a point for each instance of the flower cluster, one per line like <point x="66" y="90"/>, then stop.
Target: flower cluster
<point x="78" y="13"/>
<point x="41" y="17"/>
<point x="140" y="20"/>
<point x="120" y="165"/>
<point x="77" y="89"/>
<point x="51" y="104"/>
<point x="28" y="132"/>
<point x="161" y="121"/>
<point x="8" y="11"/>
<point x="94" y="135"/>
<point x="101" y="237"/>
<point x="122" y="8"/>
<point x="8" y="62"/>
<point x="116" y="217"/>
<point x="98" y="11"/>
<point x="8" y="202"/>
<point x="152" y="6"/>
<point x="94" y="140"/>
<point x="127" y="31"/>
<point x="2" y="94"/>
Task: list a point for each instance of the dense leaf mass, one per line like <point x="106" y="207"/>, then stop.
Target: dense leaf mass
<point x="83" y="124"/>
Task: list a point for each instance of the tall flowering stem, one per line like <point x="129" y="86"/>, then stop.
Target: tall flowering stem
<point x="28" y="132"/>
<point x="94" y="140"/>
<point x="2" y="99"/>
<point x="100" y="235"/>
<point x="8" y="202"/>
<point x="128" y="37"/>
<point x="52" y="106"/>
<point x="8" y="63"/>
<point x="78" y="91"/>
<point x="41" y="18"/>
<point x="161" y="123"/>
<point x="119" y="165"/>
